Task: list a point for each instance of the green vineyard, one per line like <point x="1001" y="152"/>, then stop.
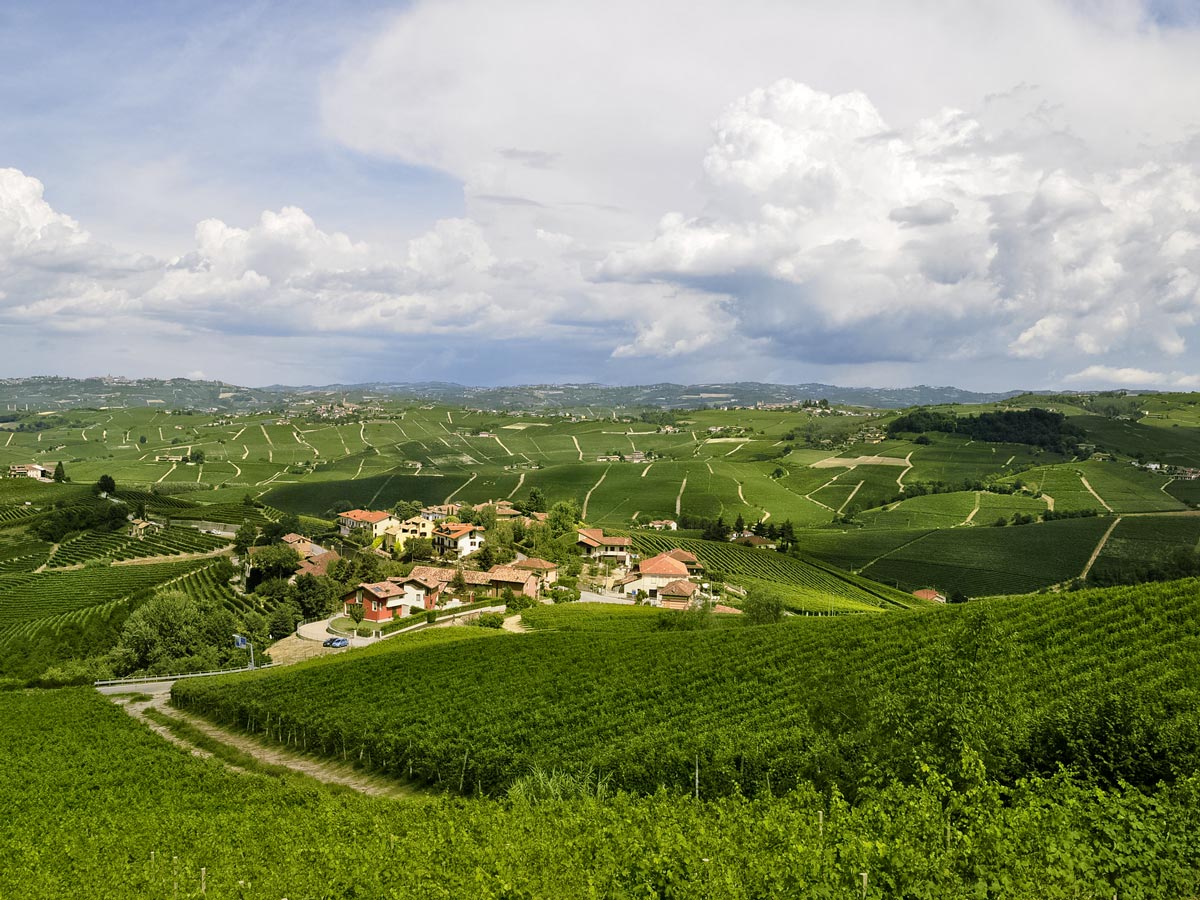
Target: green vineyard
<point x="1028" y="685"/>
<point x="805" y="579"/>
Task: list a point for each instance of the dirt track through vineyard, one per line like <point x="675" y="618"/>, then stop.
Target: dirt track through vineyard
<point x="270" y="754"/>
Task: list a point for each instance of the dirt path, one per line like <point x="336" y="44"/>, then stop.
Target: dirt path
<point x="1092" y="491"/>
<point x="679" y="497"/>
<point x="168" y="472"/>
<point x="502" y="447"/>
<point x="513" y="624"/>
<point x="645" y="470"/>
<point x="709" y="467"/>
<point x="588" y="496"/>
<point x="851" y="497"/>
<point x="907" y="468"/>
<point x="513" y="492"/>
<point x="577" y="447"/>
<point x="1049" y="502"/>
<point x="974" y="512"/>
<point x="474" y="475"/>
<point x="271" y="754"/>
<point x="1099" y="547"/>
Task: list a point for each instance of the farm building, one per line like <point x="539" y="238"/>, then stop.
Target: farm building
<point x="931" y="595"/>
<point x="355" y="519"/>
<point x="677" y="594"/>
<point x="653" y="574"/>
<point x="31" y="470"/>
<point x="546" y="571"/>
<point x="595" y="544"/>
<point x="457" y="539"/>
<point x="663" y="525"/>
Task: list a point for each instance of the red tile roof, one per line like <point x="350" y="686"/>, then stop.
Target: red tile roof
<point x="662" y="565"/>
<point x="683" y="556"/>
<point x="456" y="530"/>
<point x="930" y="594"/>
<point x="678" y="588"/>
<point x="319" y="564"/>
<point x="535" y="564"/>
<point x="371" y="517"/>
<point x="595" y="537"/>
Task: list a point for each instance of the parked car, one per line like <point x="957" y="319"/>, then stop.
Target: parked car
<point x="338" y="642"/>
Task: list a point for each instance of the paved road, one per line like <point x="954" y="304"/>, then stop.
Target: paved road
<point x="591" y="597"/>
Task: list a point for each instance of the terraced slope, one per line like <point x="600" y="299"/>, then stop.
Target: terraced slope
<point x="1100" y="681"/>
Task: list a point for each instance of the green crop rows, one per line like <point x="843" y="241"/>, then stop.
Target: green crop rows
<point x="823" y="700"/>
<point x="262" y="838"/>
<point x="38" y="595"/>
<point x="804" y="579"/>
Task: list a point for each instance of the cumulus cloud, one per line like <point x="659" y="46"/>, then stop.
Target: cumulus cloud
<point x="852" y="223"/>
<point x="1135" y="378"/>
<point x="775" y="190"/>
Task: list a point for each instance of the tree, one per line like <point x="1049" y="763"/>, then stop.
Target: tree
<point x="142" y="439"/>
<point x="244" y="539"/>
<point x="165" y="629"/>
<point x="315" y="596"/>
<point x="562" y="518"/>
<point x="276" y="561"/>
<point x="60" y="474"/>
<point x="283" y="619"/>
<point x="417" y="549"/>
<point x="761" y="609"/>
<point x="106" y="485"/>
<point x="536" y="502"/>
<point x="739" y="524"/>
<point x="356" y="612"/>
<point x="406" y="509"/>
<point x="196" y="456"/>
<point x="458" y="583"/>
<point x="486" y="557"/>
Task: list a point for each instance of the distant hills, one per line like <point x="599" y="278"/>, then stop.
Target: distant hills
<point x="52" y="392"/>
<point x="665" y="395"/>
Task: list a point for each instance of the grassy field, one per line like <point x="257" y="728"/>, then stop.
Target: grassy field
<point x="985" y="561"/>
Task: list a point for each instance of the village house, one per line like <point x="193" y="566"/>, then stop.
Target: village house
<point x="677" y="594"/>
<point x="377" y="522"/>
<point x="31" y="470"/>
<point x="415" y="527"/>
<point x="382" y="601"/>
<point x="546" y="571"/>
<point x="441" y="511"/>
<point x="753" y="540"/>
<point x="663" y="525"/>
<point x="694" y="566"/>
<point x="931" y="595"/>
<point x="139" y="528"/>
<point x="457" y="539"/>
<point x="653" y="574"/>
<point x="595" y="544"/>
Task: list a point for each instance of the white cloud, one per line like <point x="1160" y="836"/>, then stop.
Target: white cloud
<point x="1104" y="376"/>
<point x="677" y="189"/>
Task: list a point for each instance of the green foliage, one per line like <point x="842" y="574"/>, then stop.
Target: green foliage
<point x="1094" y="681"/>
<point x="762" y="609"/>
<point x="561" y="833"/>
<point x="489" y="620"/>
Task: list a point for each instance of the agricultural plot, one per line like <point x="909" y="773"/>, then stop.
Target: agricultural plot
<point x="1114" y="487"/>
<point x="1005" y="506"/>
<point x="751" y="706"/>
<point x="1139" y="542"/>
<point x="954" y="459"/>
<point x="856" y="548"/>
<point x="805" y="580"/>
<point x="45" y="594"/>
<point x="120" y="546"/>
<point x="928" y="511"/>
<point x="982" y="562"/>
<point x="1185" y="491"/>
<point x="1157" y="441"/>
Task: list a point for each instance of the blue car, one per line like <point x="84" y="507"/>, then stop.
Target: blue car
<point x="336" y="642"/>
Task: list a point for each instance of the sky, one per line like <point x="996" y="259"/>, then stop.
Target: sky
<point x="996" y="195"/>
